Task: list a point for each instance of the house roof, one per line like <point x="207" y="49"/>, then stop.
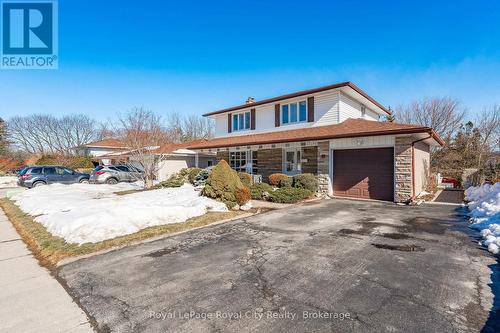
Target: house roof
<point x="348" y="128"/>
<point x="302" y="93"/>
<point x="173" y="147"/>
<point x="106" y="143"/>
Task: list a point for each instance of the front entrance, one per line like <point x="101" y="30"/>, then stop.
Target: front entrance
<point x="364" y="173"/>
<point x="291" y="162"/>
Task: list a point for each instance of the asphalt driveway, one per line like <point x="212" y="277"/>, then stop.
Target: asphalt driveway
<point x="334" y="265"/>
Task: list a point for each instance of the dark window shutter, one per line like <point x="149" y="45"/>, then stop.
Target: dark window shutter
<point x="229" y="127"/>
<point x="276" y="115"/>
<point x="252" y="119"/>
<point x="310" y="109"/>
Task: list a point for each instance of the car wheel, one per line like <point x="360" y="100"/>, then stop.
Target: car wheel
<point x="111" y="181"/>
<point x="84" y="181"/>
<point x="38" y="184"/>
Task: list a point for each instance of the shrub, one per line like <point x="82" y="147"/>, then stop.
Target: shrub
<point x="289" y="195"/>
<point x="202" y="177"/>
<point x="89" y="170"/>
<point x="280" y="180"/>
<point x="80" y="162"/>
<point x="286" y="182"/>
<point x="176" y="180"/>
<point x="307" y="181"/>
<point x="245" y="178"/>
<point x="73" y="162"/>
<point x="222" y="184"/>
<point x="257" y="190"/>
<point x="243" y="195"/>
<point x="192" y="174"/>
<point x="276" y="178"/>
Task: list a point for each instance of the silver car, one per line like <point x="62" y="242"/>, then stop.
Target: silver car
<point x="113" y="174"/>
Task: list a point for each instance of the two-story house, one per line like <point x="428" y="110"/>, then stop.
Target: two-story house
<point x="334" y="132"/>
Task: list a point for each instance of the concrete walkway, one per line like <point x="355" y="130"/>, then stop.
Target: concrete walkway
<point x="31" y="300"/>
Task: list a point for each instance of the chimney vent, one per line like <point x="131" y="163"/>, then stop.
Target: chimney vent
<point x="250" y="100"/>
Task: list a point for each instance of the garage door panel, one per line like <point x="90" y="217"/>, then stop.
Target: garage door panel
<point x="364" y="173"/>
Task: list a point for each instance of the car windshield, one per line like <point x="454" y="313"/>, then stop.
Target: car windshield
<point x="99" y="167"/>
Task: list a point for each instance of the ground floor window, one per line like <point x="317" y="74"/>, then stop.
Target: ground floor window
<point x="243" y="161"/>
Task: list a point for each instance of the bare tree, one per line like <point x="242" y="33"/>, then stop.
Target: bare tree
<point x="444" y="114"/>
<point x="488" y="124"/>
<point x="46" y="134"/>
<point x="142" y="132"/>
<point x="188" y="128"/>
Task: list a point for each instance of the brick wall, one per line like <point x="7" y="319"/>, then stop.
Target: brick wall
<point x="223" y="155"/>
<point x="269" y="161"/>
<point x="311" y="155"/>
<point x="403" y="169"/>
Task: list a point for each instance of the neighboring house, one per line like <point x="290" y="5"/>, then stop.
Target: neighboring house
<point x="176" y="157"/>
<point x="333" y="132"/>
<point x="171" y="158"/>
<point x="101" y="148"/>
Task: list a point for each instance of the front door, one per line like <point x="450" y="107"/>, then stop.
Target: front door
<point x="292" y="162"/>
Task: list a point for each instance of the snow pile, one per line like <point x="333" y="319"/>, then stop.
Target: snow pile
<point x="485" y="213"/>
<point x="8" y="181"/>
<point x="82" y="213"/>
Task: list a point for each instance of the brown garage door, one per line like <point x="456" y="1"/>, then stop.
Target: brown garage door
<point x="364" y="173"/>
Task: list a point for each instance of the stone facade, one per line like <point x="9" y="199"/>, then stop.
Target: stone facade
<point x="269" y="161"/>
<point x="403" y="169"/>
<point x="311" y="155"/>
<point x="323" y="170"/>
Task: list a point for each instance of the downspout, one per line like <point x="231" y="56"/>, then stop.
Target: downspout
<point x="413" y="164"/>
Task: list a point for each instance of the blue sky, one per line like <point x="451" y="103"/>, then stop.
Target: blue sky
<point x="198" y="56"/>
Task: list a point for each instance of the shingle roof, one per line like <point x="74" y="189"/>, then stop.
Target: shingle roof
<point x="171" y="147"/>
<point x="108" y="143"/>
<point x="346" y="129"/>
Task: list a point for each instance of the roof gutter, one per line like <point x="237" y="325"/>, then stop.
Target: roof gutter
<point x="316" y="138"/>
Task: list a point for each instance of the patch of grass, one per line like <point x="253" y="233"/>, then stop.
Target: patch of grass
<point x="50" y="249"/>
<point x="131" y="191"/>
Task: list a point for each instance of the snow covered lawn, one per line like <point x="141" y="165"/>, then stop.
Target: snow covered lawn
<point x="485" y="213"/>
<point x="82" y="213"/>
<point x="8" y="181"/>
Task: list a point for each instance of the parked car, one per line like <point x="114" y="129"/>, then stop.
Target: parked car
<point x="113" y="174"/>
<point x="34" y="176"/>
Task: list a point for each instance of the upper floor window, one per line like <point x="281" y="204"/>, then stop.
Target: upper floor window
<point x="241" y="121"/>
<point x="294" y="112"/>
<point x="363" y="111"/>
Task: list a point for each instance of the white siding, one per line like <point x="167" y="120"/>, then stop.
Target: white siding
<point x="264" y="118"/>
<point x="221" y="125"/>
<point x="422" y="166"/>
<point x="371" y="115"/>
<point x="326" y="108"/>
<point x="96" y="152"/>
<point x="349" y="108"/>
<point x="363" y="142"/>
<point x="330" y="107"/>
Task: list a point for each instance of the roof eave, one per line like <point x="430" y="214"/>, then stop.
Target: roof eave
<point x="302" y="93"/>
<point x="332" y="136"/>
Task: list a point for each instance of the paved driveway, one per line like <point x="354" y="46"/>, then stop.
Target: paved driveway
<point x="334" y="265"/>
